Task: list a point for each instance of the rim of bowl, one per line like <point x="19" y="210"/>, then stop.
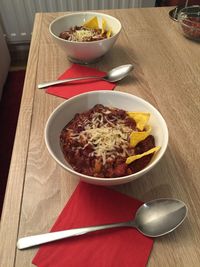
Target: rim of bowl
<point x="190" y="27"/>
<point x="78" y="13"/>
<point x="186" y="11"/>
<point x="134" y="175"/>
<point x="185" y="20"/>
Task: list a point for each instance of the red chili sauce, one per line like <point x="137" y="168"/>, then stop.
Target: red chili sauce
<point x="96" y="143"/>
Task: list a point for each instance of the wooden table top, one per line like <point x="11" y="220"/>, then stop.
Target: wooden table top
<point x="166" y="74"/>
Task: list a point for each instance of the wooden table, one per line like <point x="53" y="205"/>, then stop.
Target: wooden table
<point x="166" y="74"/>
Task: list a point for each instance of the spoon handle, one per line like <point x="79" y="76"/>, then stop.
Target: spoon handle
<point x="35" y="240"/>
<point x="47" y="84"/>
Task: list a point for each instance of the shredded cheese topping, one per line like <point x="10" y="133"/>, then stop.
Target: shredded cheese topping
<point x="84" y="34"/>
<point x="107" y="138"/>
<point x="81" y="35"/>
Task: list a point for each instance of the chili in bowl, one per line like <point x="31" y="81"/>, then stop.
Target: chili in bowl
<point x="107" y="142"/>
<point x="86" y="36"/>
<point x="101" y="139"/>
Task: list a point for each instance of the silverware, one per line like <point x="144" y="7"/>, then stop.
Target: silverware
<point x="113" y="75"/>
<point x="155" y="218"/>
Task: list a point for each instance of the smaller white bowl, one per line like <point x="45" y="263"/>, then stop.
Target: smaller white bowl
<point x="84" y="52"/>
<point x="65" y="112"/>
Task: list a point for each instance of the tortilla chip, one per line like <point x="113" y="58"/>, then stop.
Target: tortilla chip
<point x="92" y="23"/>
<point x="138" y="156"/>
<point x="136" y="137"/>
<point x="103" y="26"/>
<point x="141" y="119"/>
<point x="108" y="34"/>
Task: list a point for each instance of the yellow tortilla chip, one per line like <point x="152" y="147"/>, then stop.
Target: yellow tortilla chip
<point x="141" y="119"/>
<point x="138" y="156"/>
<point x="92" y="23"/>
<point x="136" y="137"/>
<point x="108" y="34"/>
<point x="103" y="26"/>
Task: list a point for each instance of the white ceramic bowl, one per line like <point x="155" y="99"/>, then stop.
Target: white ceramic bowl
<point x="78" y="104"/>
<point x="84" y="52"/>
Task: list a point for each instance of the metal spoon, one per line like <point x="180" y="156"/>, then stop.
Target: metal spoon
<point x="113" y="75"/>
<point x="155" y="218"/>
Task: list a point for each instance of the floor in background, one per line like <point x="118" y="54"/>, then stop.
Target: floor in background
<point x="9" y="110"/>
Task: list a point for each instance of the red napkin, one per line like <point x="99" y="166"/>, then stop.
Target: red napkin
<point x="68" y="90"/>
<point x="95" y="205"/>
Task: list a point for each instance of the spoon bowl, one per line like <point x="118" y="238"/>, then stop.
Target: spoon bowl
<point x="159" y="217"/>
<point x="118" y="73"/>
<point x="113" y="75"/>
<point x="155" y="218"/>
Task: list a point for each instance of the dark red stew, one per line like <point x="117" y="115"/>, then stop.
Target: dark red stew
<point x="96" y="143"/>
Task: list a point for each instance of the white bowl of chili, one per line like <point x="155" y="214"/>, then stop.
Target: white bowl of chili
<point x="66" y="151"/>
<point x="85" y="52"/>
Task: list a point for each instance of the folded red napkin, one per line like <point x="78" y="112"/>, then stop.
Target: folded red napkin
<point x="94" y="205"/>
<point x="68" y="90"/>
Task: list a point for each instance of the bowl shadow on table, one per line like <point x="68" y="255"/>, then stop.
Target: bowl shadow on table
<point x="117" y="56"/>
<point x="189" y="39"/>
<point x="124" y="56"/>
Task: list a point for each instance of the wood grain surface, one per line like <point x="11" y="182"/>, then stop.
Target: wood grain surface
<point x="167" y="67"/>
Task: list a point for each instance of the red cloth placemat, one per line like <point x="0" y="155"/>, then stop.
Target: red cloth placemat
<point x="94" y="205"/>
<point x="68" y="90"/>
